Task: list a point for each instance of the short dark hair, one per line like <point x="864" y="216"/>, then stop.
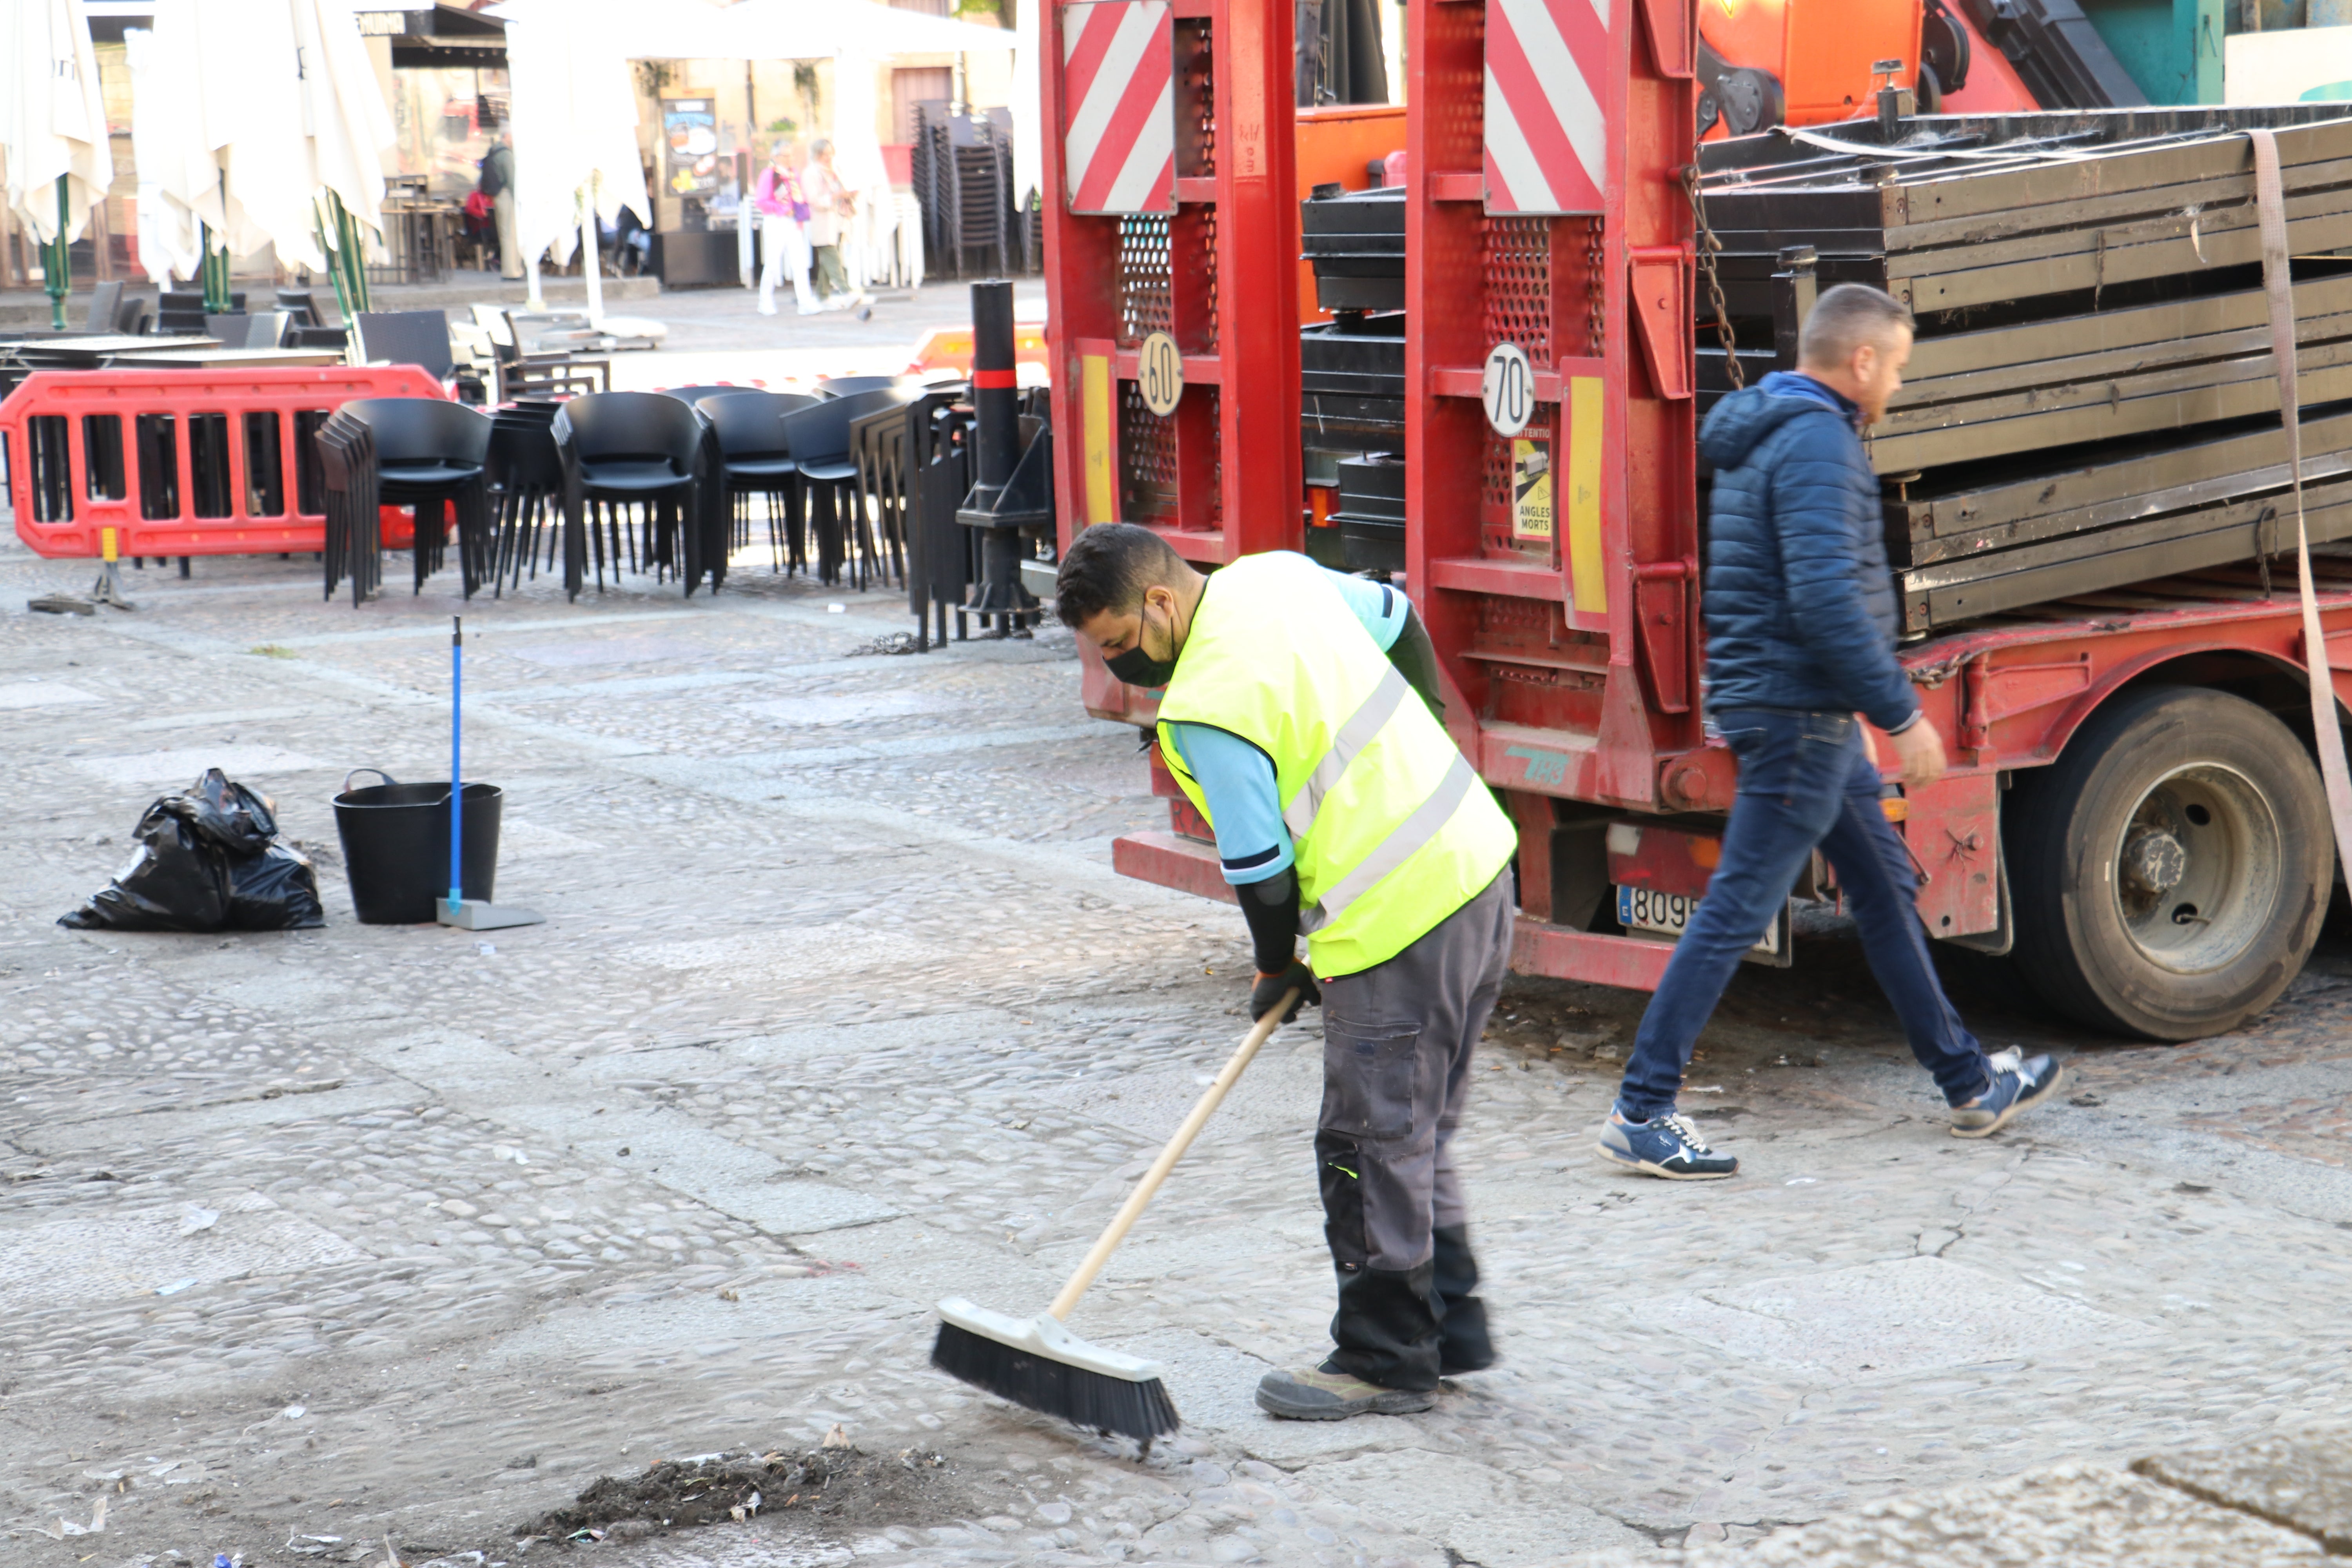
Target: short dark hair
<point x="1845" y="318"/>
<point x="1109" y="568"/>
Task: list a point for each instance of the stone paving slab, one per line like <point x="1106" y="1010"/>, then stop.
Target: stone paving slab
<point x="2304" y="1483"/>
<point x="2080" y="1516"/>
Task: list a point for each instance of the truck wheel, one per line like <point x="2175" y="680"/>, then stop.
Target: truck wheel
<point x="2171" y="868"/>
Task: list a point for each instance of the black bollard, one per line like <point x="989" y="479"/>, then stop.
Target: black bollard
<point x="1011" y="484"/>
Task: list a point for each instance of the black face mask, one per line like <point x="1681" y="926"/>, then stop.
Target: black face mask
<point x="1137" y="668"/>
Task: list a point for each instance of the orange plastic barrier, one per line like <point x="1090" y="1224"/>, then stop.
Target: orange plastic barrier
<point x="950" y="348"/>
<point x="179" y="462"/>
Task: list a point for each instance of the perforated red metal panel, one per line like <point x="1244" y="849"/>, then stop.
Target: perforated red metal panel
<point x="1219" y="274"/>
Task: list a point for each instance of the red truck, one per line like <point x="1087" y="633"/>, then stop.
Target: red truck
<point x="2132" y="808"/>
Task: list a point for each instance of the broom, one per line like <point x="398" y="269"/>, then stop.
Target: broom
<point x="1035" y="1362"/>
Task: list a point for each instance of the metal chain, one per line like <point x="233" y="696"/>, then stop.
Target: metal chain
<point x="1708" y="246"/>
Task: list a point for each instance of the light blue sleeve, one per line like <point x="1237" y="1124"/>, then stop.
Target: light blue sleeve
<point x="1380" y="607"/>
<point x="1252" y="844"/>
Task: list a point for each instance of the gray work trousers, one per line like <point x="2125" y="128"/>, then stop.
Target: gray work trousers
<point x="1397" y="1039"/>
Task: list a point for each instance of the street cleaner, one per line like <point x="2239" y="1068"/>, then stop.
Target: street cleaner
<point x="1299" y="713"/>
<point x="1801" y="631"/>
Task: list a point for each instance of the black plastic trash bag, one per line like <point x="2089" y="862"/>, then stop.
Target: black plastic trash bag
<point x="208" y="859"/>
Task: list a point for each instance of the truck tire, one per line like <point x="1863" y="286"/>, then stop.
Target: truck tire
<point x="2171" y="868"/>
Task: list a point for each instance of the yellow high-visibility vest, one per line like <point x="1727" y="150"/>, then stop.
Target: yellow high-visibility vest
<point x="1391" y="827"/>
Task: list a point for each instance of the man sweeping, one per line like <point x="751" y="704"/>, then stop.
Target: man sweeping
<point x="1299" y="713"/>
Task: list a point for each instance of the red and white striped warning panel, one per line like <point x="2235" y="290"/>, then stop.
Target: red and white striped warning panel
<point x="1546" y="142"/>
<point x="1119" y="92"/>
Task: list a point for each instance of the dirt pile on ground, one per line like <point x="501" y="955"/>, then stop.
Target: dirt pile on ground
<point x="829" y="1488"/>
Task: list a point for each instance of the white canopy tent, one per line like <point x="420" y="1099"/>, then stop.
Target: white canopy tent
<point x="574" y="120"/>
<point x="576" y="115"/>
<point x="170" y="244"/>
<point x="263" y="121"/>
<point x="1028" y="149"/>
<point x="52" y="126"/>
<point x="344" y="122"/>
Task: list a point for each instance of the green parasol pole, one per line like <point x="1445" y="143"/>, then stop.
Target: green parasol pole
<point x="57" y="264"/>
<point x="354" y="257"/>
<point x="335" y="271"/>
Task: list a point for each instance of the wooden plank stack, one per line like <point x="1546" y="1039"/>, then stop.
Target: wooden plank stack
<point x="2090" y="400"/>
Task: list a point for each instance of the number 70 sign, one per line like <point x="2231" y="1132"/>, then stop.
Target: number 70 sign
<point x="1507" y="386"/>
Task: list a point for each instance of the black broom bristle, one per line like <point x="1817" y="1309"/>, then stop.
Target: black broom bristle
<point x="1082" y="1398"/>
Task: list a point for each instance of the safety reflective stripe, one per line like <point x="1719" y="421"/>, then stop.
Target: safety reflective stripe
<point x="1371" y="717"/>
<point x="1427" y="821"/>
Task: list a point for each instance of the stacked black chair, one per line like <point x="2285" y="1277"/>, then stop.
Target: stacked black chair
<point x="301" y="311"/>
<point x="525" y="475"/>
<point x="884" y="444"/>
<point x="940" y="552"/>
<point x="753" y="460"/>
<point x="427" y="454"/>
<point x="635" y="470"/>
<point x="818" y="436"/>
<point x="347" y="477"/>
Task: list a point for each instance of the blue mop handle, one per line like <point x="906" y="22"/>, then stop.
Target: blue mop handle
<point x="456" y="762"/>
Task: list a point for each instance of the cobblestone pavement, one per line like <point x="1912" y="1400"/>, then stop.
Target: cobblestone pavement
<point x="311" y="1239"/>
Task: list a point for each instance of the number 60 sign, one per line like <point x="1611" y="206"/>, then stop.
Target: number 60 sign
<point x="1160" y="372"/>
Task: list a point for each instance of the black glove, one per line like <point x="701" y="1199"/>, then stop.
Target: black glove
<point x="1270" y="987"/>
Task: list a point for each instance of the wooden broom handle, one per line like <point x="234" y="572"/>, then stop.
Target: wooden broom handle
<point x="1132" y="1210"/>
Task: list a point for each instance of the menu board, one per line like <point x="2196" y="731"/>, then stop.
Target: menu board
<point x="690" y="141"/>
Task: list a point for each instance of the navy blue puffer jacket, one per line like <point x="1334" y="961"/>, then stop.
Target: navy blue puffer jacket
<point x="1800" y="609"/>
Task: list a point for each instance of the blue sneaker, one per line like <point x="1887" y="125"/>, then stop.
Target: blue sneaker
<point x="1666" y="1146"/>
<point x="2016" y="1086"/>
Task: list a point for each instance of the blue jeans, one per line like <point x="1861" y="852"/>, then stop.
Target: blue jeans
<point x="1805" y="779"/>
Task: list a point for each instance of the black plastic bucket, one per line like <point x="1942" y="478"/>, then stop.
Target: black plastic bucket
<point x="396" y="847"/>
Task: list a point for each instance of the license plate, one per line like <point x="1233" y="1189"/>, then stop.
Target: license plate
<point x="1670" y="914"/>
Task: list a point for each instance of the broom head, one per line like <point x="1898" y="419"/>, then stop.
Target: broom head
<point x="1037" y="1363"/>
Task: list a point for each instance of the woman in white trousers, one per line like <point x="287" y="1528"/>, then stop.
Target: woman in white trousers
<point x="784" y="213"/>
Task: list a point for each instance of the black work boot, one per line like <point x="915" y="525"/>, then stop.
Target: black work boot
<point x="1464" y="1342"/>
<point x="1385" y="1362"/>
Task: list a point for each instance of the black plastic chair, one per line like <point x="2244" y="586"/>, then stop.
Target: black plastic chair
<point x="428" y="454"/>
<point x="818" y="439"/>
<point x="420" y="338"/>
<point x="300" y="308"/>
<point x="135" y="316"/>
<point x="753" y="460"/>
<point x="696" y="393"/>
<point x="525" y="475"/>
<point x="105" y="299"/>
<point x="641" y="453"/>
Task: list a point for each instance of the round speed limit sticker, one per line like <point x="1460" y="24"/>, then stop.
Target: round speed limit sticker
<point x="1508" y="388"/>
<point x="1159" y="372"/>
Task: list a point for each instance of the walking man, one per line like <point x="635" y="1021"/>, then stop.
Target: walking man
<point x="783" y="239"/>
<point x="1299" y="715"/>
<point x="497" y="183"/>
<point x="1801" y="630"/>
<point x="828" y="202"/>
